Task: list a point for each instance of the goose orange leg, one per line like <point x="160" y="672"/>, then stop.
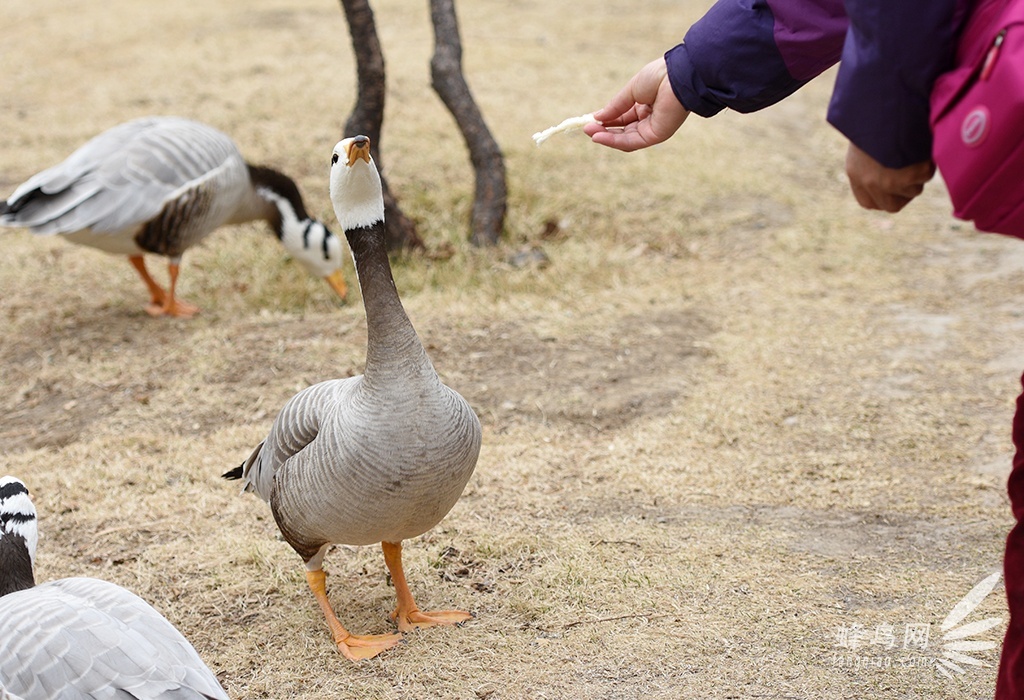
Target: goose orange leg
<point x="407" y="615"/>
<point x="353" y="647"/>
<point x="156" y="292"/>
<point x="173" y="306"/>
<point x="162" y="302"/>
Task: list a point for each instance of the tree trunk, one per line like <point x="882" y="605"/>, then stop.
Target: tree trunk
<point x="368" y="114"/>
<point x="490" y="202"/>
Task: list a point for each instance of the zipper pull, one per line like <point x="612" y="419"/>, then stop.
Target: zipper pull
<point x="993" y="53"/>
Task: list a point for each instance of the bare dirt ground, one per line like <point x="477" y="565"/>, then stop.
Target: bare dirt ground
<point x="742" y="439"/>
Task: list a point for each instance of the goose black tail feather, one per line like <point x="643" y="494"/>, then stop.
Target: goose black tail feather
<point x="235" y="473"/>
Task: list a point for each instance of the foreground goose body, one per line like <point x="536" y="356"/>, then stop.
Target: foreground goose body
<point x="381" y="457"/>
<point x="82" y="637"/>
<point x="161" y="185"/>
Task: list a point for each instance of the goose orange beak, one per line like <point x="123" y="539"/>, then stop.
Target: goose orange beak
<point x="337" y="282"/>
<point x="359" y="147"/>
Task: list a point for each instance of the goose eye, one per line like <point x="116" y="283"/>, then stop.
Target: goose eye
<point x="334" y="159"/>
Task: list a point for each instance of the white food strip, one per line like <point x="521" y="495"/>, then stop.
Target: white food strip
<point x="567" y="125"/>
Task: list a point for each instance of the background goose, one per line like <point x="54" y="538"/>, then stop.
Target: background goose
<point x="160" y="185"/>
<point x="82" y="637"/>
<point x="380" y="457"/>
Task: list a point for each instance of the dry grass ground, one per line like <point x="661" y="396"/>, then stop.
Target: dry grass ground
<point x="734" y="417"/>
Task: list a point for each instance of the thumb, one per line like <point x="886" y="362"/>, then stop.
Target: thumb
<point x="617" y="107"/>
<point x="641" y="89"/>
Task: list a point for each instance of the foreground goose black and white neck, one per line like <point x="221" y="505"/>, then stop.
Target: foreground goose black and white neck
<point x="18" y="537"/>
<point x="83" y="637"/>
<point x="381" y="457"/>
<point x="160" y="185"/>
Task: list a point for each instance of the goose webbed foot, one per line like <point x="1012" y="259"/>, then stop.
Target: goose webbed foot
<point x="408" y="620"/>
<point x="172" y="307"/>
<point x="162" y="302"/>
<point x="354" y="647"/>
<point x="407" y="615"/>
<point x="357" y="647"/>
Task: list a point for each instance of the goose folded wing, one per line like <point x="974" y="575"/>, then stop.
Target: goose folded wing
<point x="124" y="177"/>
<point x="93" y="636"/>
<point x="296" y="426"/>
<point x="157" y="169"/>
<point x="48" y="201"/>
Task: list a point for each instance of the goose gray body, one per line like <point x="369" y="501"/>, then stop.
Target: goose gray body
<point x="360" y="461"/>
<point x="82" y="637"/>
<point x="161" y="185"/>
<point x="381" y="457"/>
<point x="151" y="185"/>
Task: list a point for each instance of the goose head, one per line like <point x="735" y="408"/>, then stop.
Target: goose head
<point x="307" y="240"/>
<point x="19" y="536"/>
<point x="317" y="249"/>
<point x="355" y="185"/>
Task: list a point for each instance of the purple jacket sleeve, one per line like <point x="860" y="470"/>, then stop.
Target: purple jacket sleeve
<point x="894" y="52"/>
<point x="749" y="54"/>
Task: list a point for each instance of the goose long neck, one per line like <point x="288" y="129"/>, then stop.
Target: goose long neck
<point x="15" y="565"/>
<point x="273" y="197"/>
<point x="18" y="536"/>
<point x="392" y="344"/>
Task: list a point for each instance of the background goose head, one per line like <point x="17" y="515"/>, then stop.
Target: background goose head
<point x="306" y="239"/>
<point x="19" y="536"/>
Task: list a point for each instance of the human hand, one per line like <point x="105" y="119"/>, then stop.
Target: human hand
<point x="878" y="187"/>
<point x="644" y="113"/>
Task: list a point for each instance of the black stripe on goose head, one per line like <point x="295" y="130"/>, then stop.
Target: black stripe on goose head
<point x="9" y="489"/>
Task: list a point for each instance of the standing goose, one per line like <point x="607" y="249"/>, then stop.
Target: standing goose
<point x="82" y="637"/>
<point x="379" y="457"/>
<point x="161" y="185"/>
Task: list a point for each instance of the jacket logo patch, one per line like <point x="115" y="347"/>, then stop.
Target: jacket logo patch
<point x="974" y="127"/>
